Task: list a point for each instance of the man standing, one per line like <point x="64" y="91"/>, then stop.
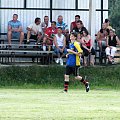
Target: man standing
<point x="15" y="30"/>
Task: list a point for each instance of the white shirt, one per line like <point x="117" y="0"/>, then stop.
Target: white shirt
<point x="36" y="28"/>
<point x="60" y="40"/>
<point x="43" y="25"/>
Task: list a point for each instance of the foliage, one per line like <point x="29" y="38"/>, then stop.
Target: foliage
<point x="115" y="15"/>
<point x="53" y="77"/>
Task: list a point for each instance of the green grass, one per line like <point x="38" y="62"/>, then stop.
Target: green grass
<point x="49" y="104"/>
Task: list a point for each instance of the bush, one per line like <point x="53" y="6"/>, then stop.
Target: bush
<point x="53" y="77"/>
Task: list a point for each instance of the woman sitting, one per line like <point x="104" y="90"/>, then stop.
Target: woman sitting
<point x="87" y="47"/>
<point x="112" y="41"/>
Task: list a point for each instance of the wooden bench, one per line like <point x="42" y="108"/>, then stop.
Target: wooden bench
<point x="101" y="56"/>
<point x="10" y="54"/>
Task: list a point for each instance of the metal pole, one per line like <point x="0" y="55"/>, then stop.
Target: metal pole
<point x="101" y="12"/>
<point x="92" y="18"/>
<point x="51" y="10"/>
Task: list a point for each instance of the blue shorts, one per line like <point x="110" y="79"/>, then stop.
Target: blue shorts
<point x="57" y="51"/>
<point x="15" y="35"/>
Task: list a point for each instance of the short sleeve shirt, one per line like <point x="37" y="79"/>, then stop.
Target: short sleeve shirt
<point x="63" y="25"/>
<point x="74" y="60"/>
<point x="14" y="24"/>
<point x="50" y="32"/>
<point x="36" y="28"/>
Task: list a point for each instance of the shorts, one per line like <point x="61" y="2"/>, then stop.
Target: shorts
<point x="72" y="70"/>
<point x="86" y="52"/>
<point x="34" y="37"/>
<point x="103" y="43"/>
<point x="15" y="35"/>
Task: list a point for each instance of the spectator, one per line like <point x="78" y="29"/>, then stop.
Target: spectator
<point x="49" y="35"/>
<point x="73" y="24"/>
<point x="87" y="47"/>
<point x="15" y="30"/>
<point x="79" y="27"/>
<point x="63" y="25"/>
<point x="79" y="36"/>
<point x="60" y="45"/>
<point x="46" y="24"/>
<point x="102" y="36"/>
<point x="107" y="22"/>
<point x="112" y="41"/>
<point x="34" y="31"/>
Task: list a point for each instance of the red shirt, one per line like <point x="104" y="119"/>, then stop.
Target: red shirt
<point x="50" y="32"/>
<point x="88" y="44"/>
<point x="74" y="24"/>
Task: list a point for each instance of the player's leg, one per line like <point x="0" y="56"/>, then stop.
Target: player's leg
<point x="66" y="82"/>
<point x="66" y="78"/>
<point x="85" y="82"/>
<point x="81" y="79"/>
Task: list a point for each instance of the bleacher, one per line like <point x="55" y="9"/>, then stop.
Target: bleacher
<point x="101" y="57"/>
<point x="25" y="53"/>
<point x="31" y="53"/>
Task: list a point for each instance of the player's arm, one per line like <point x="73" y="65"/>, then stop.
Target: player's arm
<point x="79" y="50"/>
<point x="72" y="51"/>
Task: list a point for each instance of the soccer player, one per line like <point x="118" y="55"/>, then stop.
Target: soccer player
<point x="73" y="63"/>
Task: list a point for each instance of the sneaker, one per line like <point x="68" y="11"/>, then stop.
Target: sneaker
<point x="63" y="91"/>
<point x="44" y="48"/>
<point x="58" y="60"/>
<point x="28" y="41"/>
<point x="87" y="86"/>
<point x="61" y="61"/>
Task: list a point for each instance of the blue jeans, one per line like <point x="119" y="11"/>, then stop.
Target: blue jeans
<point x="57" y="51"/>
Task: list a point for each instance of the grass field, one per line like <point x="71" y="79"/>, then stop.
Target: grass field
<point x="50" y="104"/>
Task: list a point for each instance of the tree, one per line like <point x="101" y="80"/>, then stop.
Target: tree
<point x="115" y="16"/>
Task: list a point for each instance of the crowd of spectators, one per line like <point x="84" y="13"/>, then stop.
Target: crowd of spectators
<point x="55" y="35"/>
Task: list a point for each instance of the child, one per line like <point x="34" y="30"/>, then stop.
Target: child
<point x="73" y="63"/>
